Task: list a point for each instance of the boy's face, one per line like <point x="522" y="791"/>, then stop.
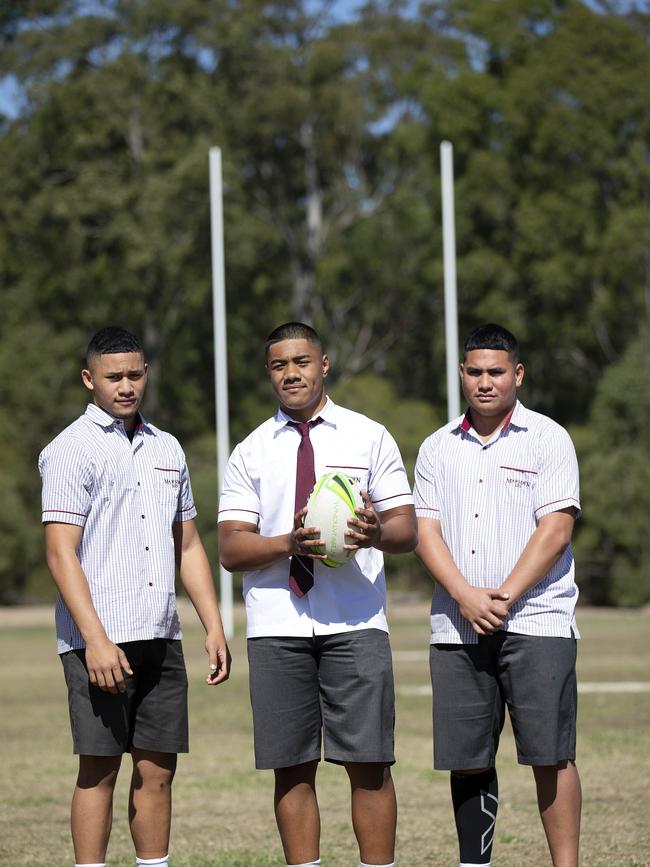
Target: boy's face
<point x="490" y="380"/>
<point x="117" y="382"/>
<point x="297" y="369"/>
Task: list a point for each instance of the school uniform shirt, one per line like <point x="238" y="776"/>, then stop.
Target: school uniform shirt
<point x="489" y="498"/>
<point x="126" y="495"/>
<point x="259" y="488"/>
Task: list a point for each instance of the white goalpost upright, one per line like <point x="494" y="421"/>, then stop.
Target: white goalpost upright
<point x="220" y="361"/>
<point x="449" y="261"/>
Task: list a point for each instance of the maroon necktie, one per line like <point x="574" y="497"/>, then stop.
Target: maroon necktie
<point x="301" y="569"/>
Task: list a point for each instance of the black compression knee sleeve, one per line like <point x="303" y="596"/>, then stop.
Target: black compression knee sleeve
<point x="475" y="798"/>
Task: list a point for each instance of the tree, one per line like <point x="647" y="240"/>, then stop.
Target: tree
<point x="105" y="217"/>
<point x="613" y="549"/>
<point x="330" y="132"/>
<point x="549" y="117"/>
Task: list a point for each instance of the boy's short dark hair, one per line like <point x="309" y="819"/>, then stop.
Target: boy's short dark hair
<point x="492" y="336"/>
<point x="292" y="331"/>
<point x="110" y="340"/>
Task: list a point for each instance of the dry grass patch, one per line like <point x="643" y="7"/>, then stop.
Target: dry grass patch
<point x="223" y="808"/>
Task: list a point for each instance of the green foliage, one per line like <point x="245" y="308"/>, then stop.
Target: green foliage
<point x="548" y="116"/>
<point x="330" y="132"/>
<point x="409" y="421"/>
<point x="614" y="547"/>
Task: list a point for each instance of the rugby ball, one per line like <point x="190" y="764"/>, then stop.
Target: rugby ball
<point x="330" y="506"/>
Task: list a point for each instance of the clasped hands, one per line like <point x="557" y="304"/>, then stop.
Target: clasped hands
<point x="364" y="532"/>
<point x="484" y="608"/>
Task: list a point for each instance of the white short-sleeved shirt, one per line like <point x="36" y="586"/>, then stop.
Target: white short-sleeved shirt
<point x="126" y="495"/>
<point x="489" y="498"/>
<point x="259" y="488"/>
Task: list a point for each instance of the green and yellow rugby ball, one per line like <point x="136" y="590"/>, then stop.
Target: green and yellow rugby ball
<point x="331" y="504"/>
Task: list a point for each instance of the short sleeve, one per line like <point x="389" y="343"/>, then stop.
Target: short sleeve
<point x="186" y="508"/>
<point x="388" y="485"/>
<point x="239" y="499"/>
<point x="427" y="504"/>
<point x="67" y="479"/>
<point x="557" y="483"/>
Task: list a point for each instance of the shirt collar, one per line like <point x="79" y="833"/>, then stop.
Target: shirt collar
<point x="327" y="413"/>
<point x="515" y="419"/>
<point x="107" y="421"/>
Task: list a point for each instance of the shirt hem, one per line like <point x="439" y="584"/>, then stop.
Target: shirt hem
<point x="571" y="631"/>
<point x="64" y="646"/>
<point x="558" y="505"/>
<point x="54" y="516"/>
<point x="393" y="502"/>
<point x="280" y="630"/>
<point x="185" y="515"/>
<point x="248" y="516"/>
<point x="421" y="512"/>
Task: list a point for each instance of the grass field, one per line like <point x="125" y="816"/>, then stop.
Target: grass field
<point x="223" y="807"/>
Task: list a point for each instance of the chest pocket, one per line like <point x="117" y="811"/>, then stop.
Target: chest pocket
<point x="168" y="485"/>
<point x="519" y="483"/>
<point x="355" y="470"/>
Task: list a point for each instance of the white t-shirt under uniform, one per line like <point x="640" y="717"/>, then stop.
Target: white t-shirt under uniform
<point x="489" y="498"/>
<point x="259" y="488"/>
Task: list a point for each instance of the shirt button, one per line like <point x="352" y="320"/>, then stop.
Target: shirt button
<point x="146" y="548"/>
<point x="473" y="551"/>
<point x="476" y="515"/>
<point x="142" y="516"/>
<point x="151" y="584"/>
<point x="480" y="481"/>
<point x="138" y="484"/>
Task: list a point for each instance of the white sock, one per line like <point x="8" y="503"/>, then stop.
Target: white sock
<point x="306" y="864"/>
<point x="103" y="864"/>
<point x="361" y="864"/>
<point x="153" y="862"/>
<point x="487" y="864"/>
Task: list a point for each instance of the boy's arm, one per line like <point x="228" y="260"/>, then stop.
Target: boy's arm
<point x="483" y="608"/>
<point x="196" y="577"/>
<point x="394" y="531"/>
<point x="544" y="549"/>
<point x="105" y="661"/>
<point x="243" y="549"/>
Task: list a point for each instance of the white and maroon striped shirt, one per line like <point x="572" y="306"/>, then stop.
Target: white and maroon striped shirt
<point x="489" y="498"/>
<point x="259" y="488"/>
<point x="126" y="496"/>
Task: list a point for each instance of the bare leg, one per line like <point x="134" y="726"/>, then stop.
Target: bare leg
<point x="559" y="797"/>
<point x="296" y="812"/>
<point x="150" y="802"/>
<point x="374" y="811"/>
<point x="92" y="807"/>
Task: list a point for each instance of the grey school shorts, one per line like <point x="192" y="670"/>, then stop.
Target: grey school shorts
<point x="342" y="684"/>
<point x="533" y="675"/>
<point x="150" y="715"/>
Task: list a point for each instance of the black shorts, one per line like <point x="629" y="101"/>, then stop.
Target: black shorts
<point x="533" y="675"/>
<point x="342" y="683"/>
<point x="150" y="715"/>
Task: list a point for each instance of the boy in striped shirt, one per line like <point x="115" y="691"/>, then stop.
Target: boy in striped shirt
<point x="496" y="494"/>
<point x="119" y="515"/>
